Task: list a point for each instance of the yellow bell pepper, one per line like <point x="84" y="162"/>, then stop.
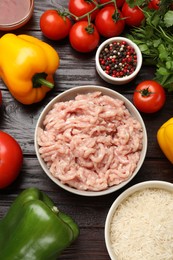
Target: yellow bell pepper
<point x="27" y="65"/>
<point x="165" y="139"/>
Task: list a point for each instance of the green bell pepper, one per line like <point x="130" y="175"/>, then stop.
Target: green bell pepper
<point x="34" y="229"/>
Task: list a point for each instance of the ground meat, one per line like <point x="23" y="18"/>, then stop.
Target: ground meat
<point x="90" y="143"/>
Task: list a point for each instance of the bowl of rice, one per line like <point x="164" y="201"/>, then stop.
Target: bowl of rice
<point x="139" y="223"/>
<point x="90" y="140"/>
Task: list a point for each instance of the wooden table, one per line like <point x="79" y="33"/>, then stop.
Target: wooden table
<point x="19" y="120"/>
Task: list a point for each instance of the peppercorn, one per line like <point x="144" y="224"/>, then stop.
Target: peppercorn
<point x="118" y="59"/>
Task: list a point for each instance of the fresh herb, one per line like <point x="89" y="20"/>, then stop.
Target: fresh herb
<point x="155" y="40"/>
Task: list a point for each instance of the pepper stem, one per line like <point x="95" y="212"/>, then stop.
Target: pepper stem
<point x="39" y="80"/>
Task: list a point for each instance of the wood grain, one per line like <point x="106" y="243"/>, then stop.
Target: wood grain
<point x="19" y="120"/>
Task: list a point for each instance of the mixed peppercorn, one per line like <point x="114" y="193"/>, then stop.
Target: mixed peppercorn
<point x="118" y="59"/>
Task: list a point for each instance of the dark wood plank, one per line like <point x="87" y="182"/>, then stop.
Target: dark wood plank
<point x="19" y="120"/>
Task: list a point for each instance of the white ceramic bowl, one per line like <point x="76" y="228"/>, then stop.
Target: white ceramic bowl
<point x="71" y="94"/>
<point x="118" y="80"/>
<point x="121" y="199"/>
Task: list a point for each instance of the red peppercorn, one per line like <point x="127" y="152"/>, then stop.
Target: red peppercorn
<point x="118" y="59"/>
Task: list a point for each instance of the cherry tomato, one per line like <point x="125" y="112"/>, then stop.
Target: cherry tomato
<point x="108" y="22"/>
<point x="54" y="25"/>
<point x="154" y="4"/>
<point x="11" y="159"/>
<point x="84" y="37"/>
<point x="119" y="3"/>
<point x="82" y="7"/>
<point x="149" y="96"/>
<point x="133" y="15"/>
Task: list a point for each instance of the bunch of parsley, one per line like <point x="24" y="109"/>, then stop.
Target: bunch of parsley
<point x="155" y="39"/>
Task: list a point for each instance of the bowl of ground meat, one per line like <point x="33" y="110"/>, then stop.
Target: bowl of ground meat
<point x="90" y="140"/>
<point x="139" y="223"/>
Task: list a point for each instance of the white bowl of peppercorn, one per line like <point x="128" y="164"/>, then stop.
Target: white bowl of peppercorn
<point x="118" y="60"/>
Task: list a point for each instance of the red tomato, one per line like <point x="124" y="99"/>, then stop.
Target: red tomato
<point x="11" y="159"/>
<point x="54" y="25"/>
<point x="81" y="7"/>
<point x="84" y="37"/>
<point x="119" y="3"/>
<point x="149" y="96"/>
<point x="154" y="4"/>
<point x="133" y="16"/>
<point x="108" y="22"/>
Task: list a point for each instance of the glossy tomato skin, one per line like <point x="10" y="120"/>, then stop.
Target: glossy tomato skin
<point x="54" y="25"/>
<point x="81" y="7"/>
<point x="81" y="40"/>
<point x="106" y="24"/>
<point x="154" y="4"/>
<point x="152" y="102"/>
<point x="119" y="3"/>
<point x="134" y="16"/>
<point x="11" y="158"/>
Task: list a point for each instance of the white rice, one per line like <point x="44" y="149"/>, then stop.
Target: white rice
<point x="142" y="226"/>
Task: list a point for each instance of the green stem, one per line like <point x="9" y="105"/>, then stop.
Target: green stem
<point x="97" y="6"/>
<point x="39" y="80"/>
<point x="115" y="4"/>
<point x="89" y="20"/>
<point x="93" y="2"/>
<point x="165" y="35"/>
<point x="45" y="82"/>
<point x="145" y="92"/>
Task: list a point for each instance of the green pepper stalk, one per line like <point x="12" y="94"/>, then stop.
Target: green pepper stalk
<point x="34" y="229"/>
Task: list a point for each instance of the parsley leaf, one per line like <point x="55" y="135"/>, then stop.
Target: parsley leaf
<point x="168" y="18"/>
<point x="155" y="39"/>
